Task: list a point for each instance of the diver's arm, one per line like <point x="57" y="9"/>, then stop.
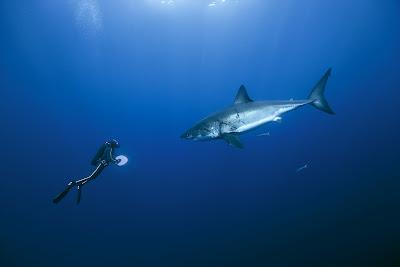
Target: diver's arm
<point x="114" y="160"/>
<point x="110" y="157"/>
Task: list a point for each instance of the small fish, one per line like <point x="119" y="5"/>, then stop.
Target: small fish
<point x="305" y="166"/>
<point x="264" y="134"/>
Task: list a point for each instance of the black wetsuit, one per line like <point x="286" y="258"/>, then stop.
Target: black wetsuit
<point x="103" y="157"/>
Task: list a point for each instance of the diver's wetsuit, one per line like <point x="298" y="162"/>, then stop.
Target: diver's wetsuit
<point x="103" y="157"/>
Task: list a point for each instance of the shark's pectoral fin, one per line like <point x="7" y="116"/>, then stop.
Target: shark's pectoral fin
<point x="233" y="140"/>
<point x="277" y="119"/>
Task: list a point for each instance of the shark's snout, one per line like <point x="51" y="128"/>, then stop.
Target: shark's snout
<point x="186" y="135"/>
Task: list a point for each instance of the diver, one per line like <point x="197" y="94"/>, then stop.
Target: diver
<point x="103" y="157"/>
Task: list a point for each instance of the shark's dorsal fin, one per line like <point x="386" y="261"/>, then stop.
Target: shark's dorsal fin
<point x="233" y="140"/>
<point x="242" y="96"/>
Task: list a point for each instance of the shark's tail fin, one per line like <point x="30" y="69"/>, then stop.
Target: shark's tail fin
<point x="317" y="94"/>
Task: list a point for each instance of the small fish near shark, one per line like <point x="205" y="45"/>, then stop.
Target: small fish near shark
<point x="264" y="134"/>
<point x="246" y="114"/>
<point x="305" y="166"/>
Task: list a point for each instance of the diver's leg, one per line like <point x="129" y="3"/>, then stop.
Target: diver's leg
<point x="93" y="175"/>
<point x="80" y="183"/>
<point x="60" y="196"/>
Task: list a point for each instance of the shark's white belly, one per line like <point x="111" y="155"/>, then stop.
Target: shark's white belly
<point x="244" y="121"/>
<point x="253" y="119"/>
<point x="253" y="124"/>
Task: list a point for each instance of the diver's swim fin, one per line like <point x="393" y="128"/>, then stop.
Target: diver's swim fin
<point x="78" y="199"/>
<point x="60" y="196"/>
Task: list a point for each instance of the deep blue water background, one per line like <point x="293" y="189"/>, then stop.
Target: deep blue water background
<point x="143" y="72"/>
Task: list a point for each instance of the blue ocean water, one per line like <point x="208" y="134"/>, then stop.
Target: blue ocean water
<point x="76" y="73"/>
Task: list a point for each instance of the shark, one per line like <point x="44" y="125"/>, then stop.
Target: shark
<point x="246" y="114"/>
